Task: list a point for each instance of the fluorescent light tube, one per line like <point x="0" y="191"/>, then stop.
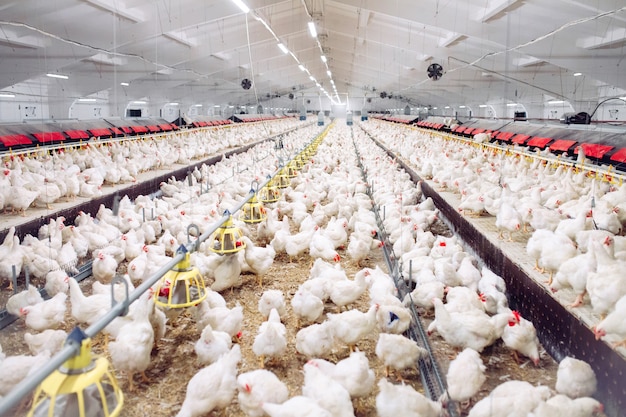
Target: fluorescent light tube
<point x="301" y="67"/>
<point x="124" y="84"/>
<point x="87" y="100"/>
<point x="323" y="58"/>
<point x="242" y="6"/>
<point x="7" y="95"/>
<point x="578" y="74"/>
<point x="139" y="102"/>
<point x="312" y="29"/>
<point x="556" y="102"/>
<point x="283" y="48"/>
<point x="63" y="77"/>
<point x="511" y="104"/>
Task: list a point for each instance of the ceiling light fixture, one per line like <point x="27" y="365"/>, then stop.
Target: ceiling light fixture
<point x="173" y="104"/>
<point x="556" y="102"/>
<point x="329" y="73"/>
<point x="578" y="74"/>
<point x="242" y="6"/>
<point x="482" y="106"/>
<point x="140" y="102"/>
<point x="7" y="95"/>
<point x="323" y="58"/>
<point x="124" y="84"/>
<point x="301" y="67"/>
<point x="312" y="29"/>
<point x="461" y="107"/>
<point x="87" y="100"/>
<point x="511" y="104"/>
<point x="63" y="77"/>
<point x="283" y="48"/>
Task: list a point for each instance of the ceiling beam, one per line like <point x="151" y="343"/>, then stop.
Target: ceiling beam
<point x="133" y="15"/>
<point x="612" y="37"/>
<point x="493" y="9"/>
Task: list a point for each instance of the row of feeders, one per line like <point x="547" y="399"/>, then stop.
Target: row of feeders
<point x="85" y="386"/>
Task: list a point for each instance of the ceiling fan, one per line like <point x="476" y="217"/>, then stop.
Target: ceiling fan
<point x="246" y="84"/>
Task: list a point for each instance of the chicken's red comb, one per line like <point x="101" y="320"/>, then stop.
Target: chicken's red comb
<point x="442" y="243"/>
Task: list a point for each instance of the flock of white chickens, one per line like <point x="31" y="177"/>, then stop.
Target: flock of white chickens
<point x="324" y="214"/>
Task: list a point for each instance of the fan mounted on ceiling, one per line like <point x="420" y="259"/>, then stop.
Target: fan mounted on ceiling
<point x="291" y="96"/>
<point x="369" y="99"/>
<point x="246" y="84"/>
<point x="383" y="94"/>
<point x="434" y="71"/>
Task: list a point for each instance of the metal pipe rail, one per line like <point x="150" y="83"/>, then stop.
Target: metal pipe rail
<point x="72" y="348"/>
<point x="432" y="380"/>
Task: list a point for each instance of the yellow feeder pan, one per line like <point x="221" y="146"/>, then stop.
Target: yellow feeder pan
<point x="282" y="180"/>
<point x="292" y="169"/>
<point x="182" y="286"/>
<point x="82" y="387"/>
<point x="227" y="238"/>
<point x="253" y="211"/>
<point x="269" y="193"/>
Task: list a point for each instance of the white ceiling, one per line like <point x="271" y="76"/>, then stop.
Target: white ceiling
<point x="198" y="51"/>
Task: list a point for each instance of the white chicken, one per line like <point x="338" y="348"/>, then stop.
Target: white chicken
<point x="270" y="340"/>
<point x="613" y="326"/>
<point x="211" y="345"/>
<point x="50" y="340"/>
<point x="130" y="351"/>
<point x="394" y="319"/>
<point x="104" y="267"/>
<point x="56" y="282"/>
<point x="259" y="259"/>
<point x="213" y="386"/>
<point x="402" y="400"/>
<point x="521" y="336"/>
<point x="575" y="378"/>
<point x="353" y="325"/>
<point x="353" y="373"/>
<point x="345" y="292"/>
<point x="257" y="388"/>
<point x="299" y="405"/>
<point x="468" y="329"/>
<point x="465" y="376"/>
<point x="321" y="246"/>
<point x="510" y="399"/>
<point x="87" y="309"/>
<point x="227" y="273"/>
<point x="563" y="406"/>
<point x="48" y="314"/>
<point x="398" y="352"/>
<point x="306" y="306"/>
<point x="423" y="294"/>
<point x="15" y="368"/>
<point x="272" y="299"/>
<point x="316" y="340"/>
<point x="222" y="318"/>
<point x="328" y="393"/>
<point x="28" y="297"/>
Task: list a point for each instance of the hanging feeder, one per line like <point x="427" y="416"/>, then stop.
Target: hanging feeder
<point x="270" y="193"/>
<point x="82" y="387"/>
<point x="253" y="211"/>
<point x="227" y="238"/>
<point x="182" y="286"/>
<point x="282" y="180"/>
<point x="292" y="169"/>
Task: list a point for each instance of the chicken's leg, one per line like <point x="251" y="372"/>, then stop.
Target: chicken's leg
<point x="131" y="384"/>
<point x="579" y="299"/>
<point x="144" y="377"/>
<point x="262" y="361"/>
